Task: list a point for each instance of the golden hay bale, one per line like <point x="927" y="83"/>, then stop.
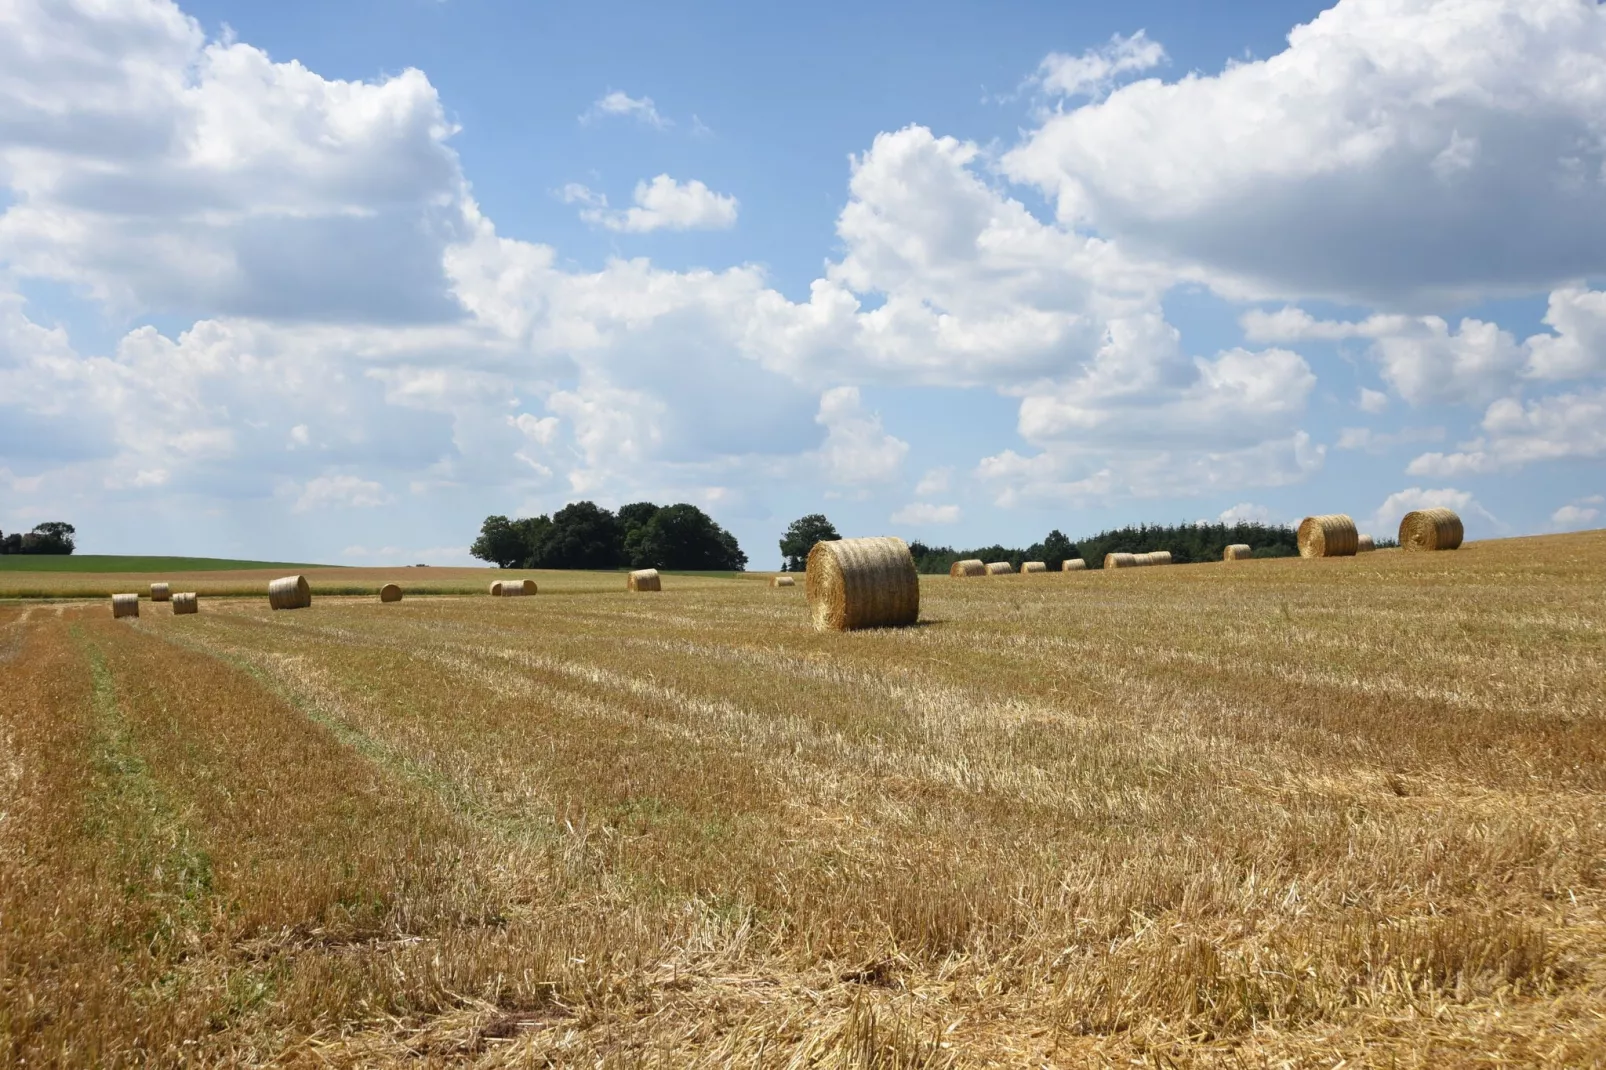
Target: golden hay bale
<point x="1238" y="551"/>
<point x="783" y="581"/>
<point x="1033" y="566"/>
<point x="1000" y="568"/>
<point x="529" y="587"/>
<point x="186" y="602"/>
<point x="1430" y="529"/>
<point x="159" y="592"/>
<point x="390" y="592"/>
<point x="1075" y="564"/>
<point x="1120" y="561"/>
<point x="1156" y="557"/>
<point x="644" y="579"/>
<point x="969" y="567"/>
<point x="290" y="592"/>
<point x="862" y="583"/>
<point x="1364" y="544"/>
<point x="125" y="605"/>
<point x="1332" y="535"/>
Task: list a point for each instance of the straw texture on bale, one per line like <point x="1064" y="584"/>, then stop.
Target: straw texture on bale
<point x="1120" y="561"/>
<point x="290" y="592"/>
<point x="969" y="567"/>
<point x="125" y="605"/>
<point x="1238" y="551"/>
<point x="1364" y="544"/>
<point x="390" y="592"/>
<point x="647" y="579"/>
<point x="783" y="581"/>
<point x="160" y="592"/>
<point x="1430" y="529"/>
<point x="186" y="602"/>
<point x="1332" y="535"/>
<point x="1000" y="568"/>
<point x="1033" y="566"/>
<point x="1075" y="564"/>
<point x="862" y="583"/>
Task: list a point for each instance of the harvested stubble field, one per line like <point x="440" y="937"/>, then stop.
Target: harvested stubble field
<point x="1284" y="812"/>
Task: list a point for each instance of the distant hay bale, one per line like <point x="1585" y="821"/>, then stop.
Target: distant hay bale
<point x="1033" y="566"/>
<point x="390" y="592"/>
<point x="1332" y="535"/>
<point x="1000" y="568"/>
<point x="1430" y="529"/>
<point x="529" y="587"/>
<point x="783" y="581"/>
<point x="186" y="602"/>
<point x="1156" y="557"/>
<point x="512" y="588"/>
<point x="125" y="605"/>
<point x="1075" y="564"/>
<point x="290" y="592"/>
<point x="862" y="583"/>
<point x="496" y="589"/>
<point x="1364" y="544"/>
<point x="645" y="579"/>
<point x="971" y="566"/>
<point x="1120" y="561"/>
<point x="159" y="592"/>
<point x="1238" y="551"/>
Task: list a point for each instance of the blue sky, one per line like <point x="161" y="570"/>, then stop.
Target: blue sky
<point x="333" y="281"/>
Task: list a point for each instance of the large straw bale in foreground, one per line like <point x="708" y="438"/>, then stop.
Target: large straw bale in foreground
<point x="1120" y="561"/>
<point x="1430" y="529"/>
<point x="1364" y="544"/>
<point x="1332" y="535"/>
<point x="186" y="602"/>
<point x="290" y="592"/>
<point x="783" y="581"/>
<point x="390" y="592"/>
<point x="1000" y="568"/>
<point x="1033" y="566"/>
<point x="862" y="583"/>
<point x="125" y="605"/>
<point x="160" y="592"/>
<point x="647" y="579"/>
<point x="1238" y="551"/>
<point x="969" y="567"/>
<point x="1075" y="564"/>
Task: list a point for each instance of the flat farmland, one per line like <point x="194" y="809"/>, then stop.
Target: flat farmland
<point x="1278" y="812"/>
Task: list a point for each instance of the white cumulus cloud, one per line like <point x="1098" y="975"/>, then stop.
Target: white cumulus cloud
<point x="617" y="103"/>
<point x="922" y="514"/>
<point x="662" y="204"/>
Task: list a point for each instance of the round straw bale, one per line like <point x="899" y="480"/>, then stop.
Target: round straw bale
<point x="186" y="602"/>
<point x="390" y="592"/>
<point x="529" y="587"/>
<point x="159" y="592"/>
<point x="783" y="581"/>
<point x="1075" y="564"/>
<point x="862" y="583"/>
<point x="496" y="589"/>
<point x="1430" y="529"/>
<point x="1332" y="535"/>
<point x="644" y="579"/>
<point x="290" y="592"/>
<point x="971" y="566"/>
<point x="1033" y="566"/>
<point x="125" y="605"/>
<point x="1120" y="561"/>
<point x="1238" y="551"/>
<point x="1364" y="544"/>
<point x="1000" y="568"/>
<point x="1157" y="557"/>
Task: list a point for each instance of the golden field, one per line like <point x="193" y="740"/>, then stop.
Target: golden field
<point x="1324" y="813"/>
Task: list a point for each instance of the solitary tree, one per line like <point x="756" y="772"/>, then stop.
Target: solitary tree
<point x="800" y="538"/>
<point x="500" y="542"/>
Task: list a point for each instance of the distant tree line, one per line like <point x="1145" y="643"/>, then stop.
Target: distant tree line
<point x="53" y="537"/>
<point x="586" y="536"/>
<point x="1187" y="542"/>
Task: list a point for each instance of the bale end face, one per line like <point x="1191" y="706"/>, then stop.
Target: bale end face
<point x="969" y="567"/>
<point x="645" y="579"/>
<point x="862" y="583"/>
<point x="1431" y="529"/>
<point x="160" y="592"/>
<point x="125" y="605"/>
<point x="290" y="592"/>
<point x="1075" y="564"/>
<point x="1330" y="535"/>
<point x="390" y="592"/>
<point x="186" y="602"/>
<point x="1238" y="551"/>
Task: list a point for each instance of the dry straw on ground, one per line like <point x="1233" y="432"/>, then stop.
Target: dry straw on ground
<point x="968" y="567"/>
<point x="1075" y="564"/>
<point x="159" y="592"/>
<point x="1330" y="535"/>
<point x="862" y="583"/>
<point x="1033" y="566"/>
<point x="1000" y="568"/>
<point x="290" y="592"/>
<point x="1364" y="544"/>
<point x="390" y="592"/>
<point x="1238" y="551"/>
<point x="783" y="581"/>
<point x="1114" y="560"/>
<point x="644" y="579"/>
<point x="186" y="602"/>
<point x="125" y="605"/>
<point x="1430" y="529"/>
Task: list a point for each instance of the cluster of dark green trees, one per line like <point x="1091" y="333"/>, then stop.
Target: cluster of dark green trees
<point x="1187" y="542"/>
<point x="585" y="535"/>
<point x="50" y="538"/>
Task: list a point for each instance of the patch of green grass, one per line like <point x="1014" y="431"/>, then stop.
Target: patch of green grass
<point x="120" y="563"/>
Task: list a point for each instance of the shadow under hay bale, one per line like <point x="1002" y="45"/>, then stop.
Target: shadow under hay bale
<point x="862" y="583"/>
<point x="1075" y="564"/>
<point x="1330" y="535"/>
<point x="160" y="592"/>
<point x="644" y="579"/>
<point x="1000" y="568"/>
<point x="125" y="605"/>
<point x="1431" y="529"/>
<point x="290" y="592"/>
<point x="969" y="567"/>
<point x="390" y="592"/>
<point x="1238" y="551"/>
<point x="185" y="603"/>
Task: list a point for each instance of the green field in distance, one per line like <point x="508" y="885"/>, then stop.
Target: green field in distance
<point x="121" y="563"/>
